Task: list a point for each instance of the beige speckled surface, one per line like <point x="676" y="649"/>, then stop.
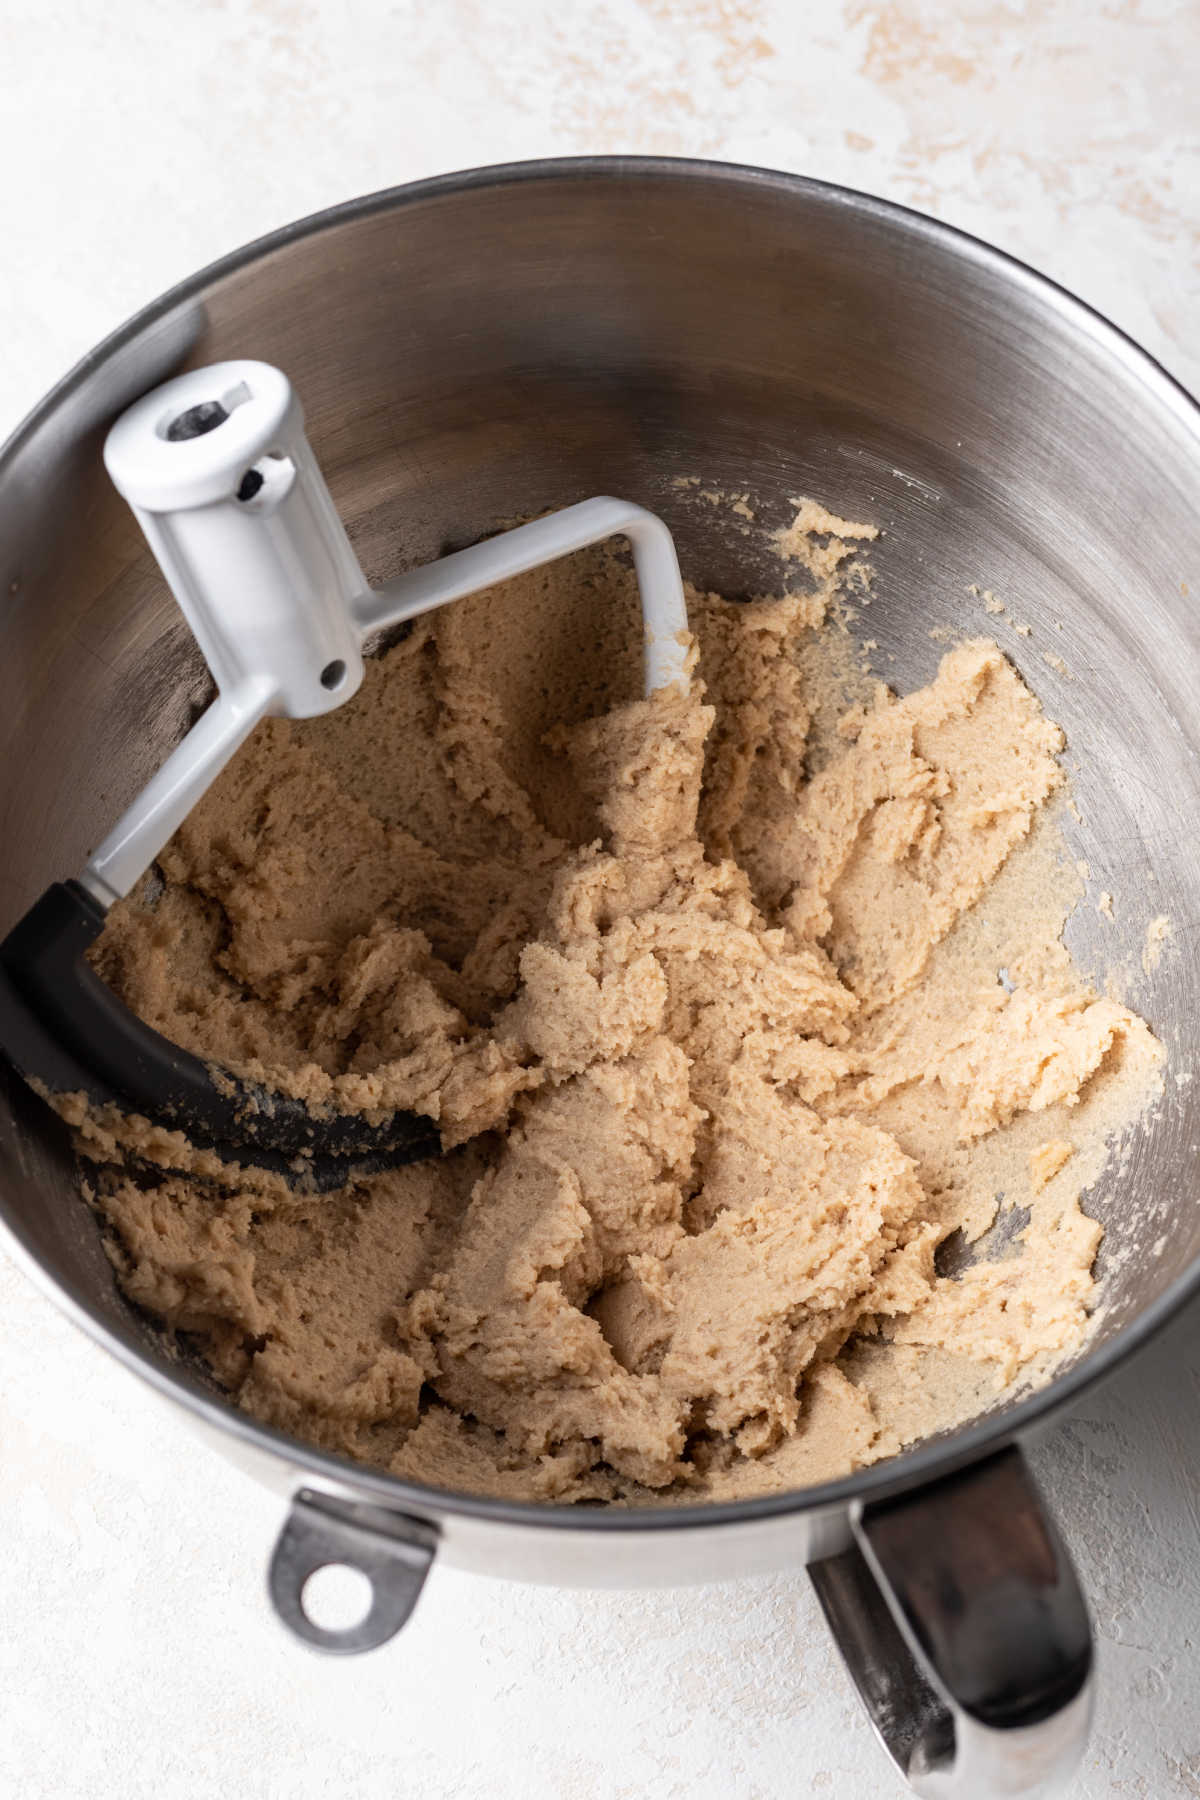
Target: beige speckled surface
<point x="137" y="1656"/>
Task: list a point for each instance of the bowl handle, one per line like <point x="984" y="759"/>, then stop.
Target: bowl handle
<point x="962" y="1623"/>
<point x="393" y="1551"/>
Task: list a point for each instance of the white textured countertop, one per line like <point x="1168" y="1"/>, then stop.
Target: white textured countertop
<point x="137" y="1653"/>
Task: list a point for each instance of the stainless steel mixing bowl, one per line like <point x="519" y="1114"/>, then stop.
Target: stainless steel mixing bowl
<point x="494" y="343"/>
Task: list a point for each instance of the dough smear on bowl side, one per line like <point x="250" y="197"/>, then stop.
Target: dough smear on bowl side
<point x="732" y="1010"/>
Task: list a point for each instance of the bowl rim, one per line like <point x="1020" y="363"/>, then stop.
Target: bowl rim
<point x="926" y="1461"/>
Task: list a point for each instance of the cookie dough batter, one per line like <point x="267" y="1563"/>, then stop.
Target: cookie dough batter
<point x="736" y="1012"/>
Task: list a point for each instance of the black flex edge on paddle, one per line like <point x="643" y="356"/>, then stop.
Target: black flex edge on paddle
<point x="63" y="1028"/>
